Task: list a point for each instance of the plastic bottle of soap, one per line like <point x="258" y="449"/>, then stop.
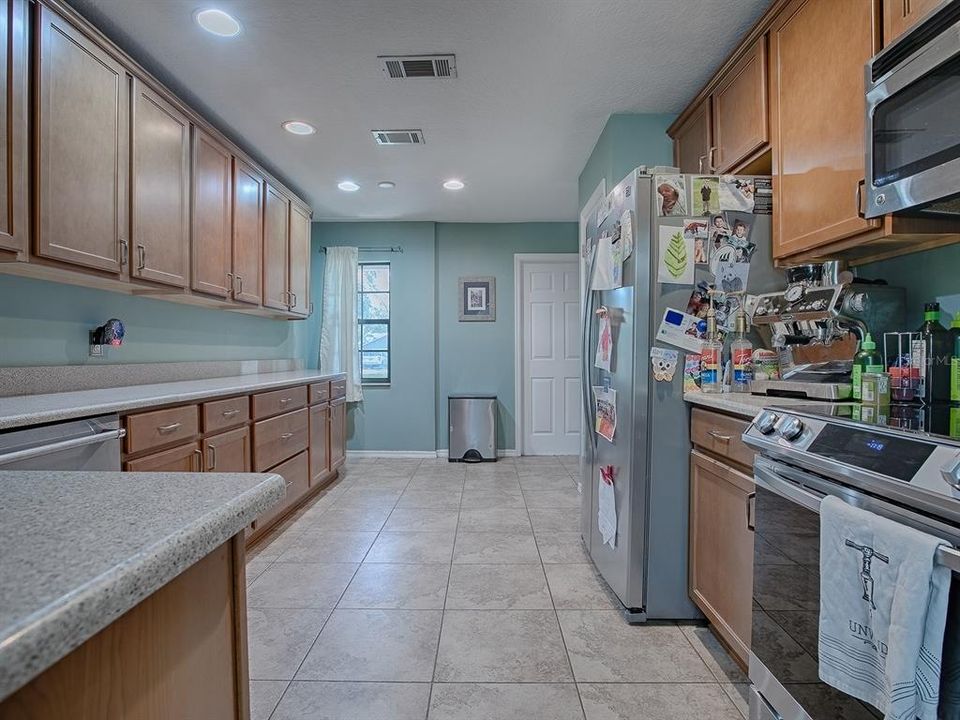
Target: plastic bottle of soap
<point x="868" y="360"/>
<point x="711" y="355"/>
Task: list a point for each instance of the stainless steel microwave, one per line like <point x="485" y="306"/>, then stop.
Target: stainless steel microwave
<point x="913" y="120"/>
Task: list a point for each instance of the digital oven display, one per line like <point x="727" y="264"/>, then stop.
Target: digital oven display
<point x="882" y="454"/>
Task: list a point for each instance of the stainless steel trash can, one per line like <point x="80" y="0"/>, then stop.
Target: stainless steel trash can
<point x="473" y="428"/>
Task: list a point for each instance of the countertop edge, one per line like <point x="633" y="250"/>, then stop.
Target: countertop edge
<point x="723" y="402"/>
<point x="55" y="630"/>
<point x="8" y="422"/>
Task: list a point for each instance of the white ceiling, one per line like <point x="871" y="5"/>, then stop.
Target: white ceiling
<point x="537" y="80"/>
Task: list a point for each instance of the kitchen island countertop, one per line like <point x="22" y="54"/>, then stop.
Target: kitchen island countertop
<point x="80" y="549"/>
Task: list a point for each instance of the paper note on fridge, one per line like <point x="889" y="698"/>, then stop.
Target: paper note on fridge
<point x="677" y="256"/>
<point x="679" y="329"/>
<point x="607" y="512"/>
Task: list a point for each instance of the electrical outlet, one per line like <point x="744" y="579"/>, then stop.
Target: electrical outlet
<point x="96" y="350"/>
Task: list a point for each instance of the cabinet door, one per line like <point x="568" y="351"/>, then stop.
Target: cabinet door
<point x="276" y="247"/>
<point x="319" y="442"/>
<point x="338" y="434"/>
<point x="740" y="109"/>
<point x="691" y="142"/>
<point x="183" y="458"/>
<point x="721" y="549"/>
<point x="248" y="188"/>
<point x="227" y="452"/>
<point x="13" y="125"/>
<point x="83" y="153"/>
<point x="299" y="259"/>
<point x="160" y="200"/>
<point x="212" y="215"/>
<point x="901" y="15"/>
<point x="818" y="121"/>
<point x="296" y="474"/>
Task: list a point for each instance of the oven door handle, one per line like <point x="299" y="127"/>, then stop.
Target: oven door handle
<point x="41" y="450"/>
<point x="766" y="477"/>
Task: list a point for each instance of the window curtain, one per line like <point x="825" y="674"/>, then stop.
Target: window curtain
<point x="339" y="349"/>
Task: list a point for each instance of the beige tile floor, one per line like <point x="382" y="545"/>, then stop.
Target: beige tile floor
<point x="422" y="589"/>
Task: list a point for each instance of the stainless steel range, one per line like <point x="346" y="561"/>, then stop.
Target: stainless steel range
<point x="805" y="453"/>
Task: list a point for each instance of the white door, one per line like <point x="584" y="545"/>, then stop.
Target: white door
<point x="550" y="356"/>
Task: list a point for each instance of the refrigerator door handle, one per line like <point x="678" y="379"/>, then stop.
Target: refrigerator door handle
<point x="585" y="354"/>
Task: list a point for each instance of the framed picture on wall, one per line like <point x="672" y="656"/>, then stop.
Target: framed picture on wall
<point x="478" y="299"/>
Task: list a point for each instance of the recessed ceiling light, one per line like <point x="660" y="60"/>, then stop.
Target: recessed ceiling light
<point x="218" y="22"/>
<point x="299" y="127"/>
<point x="348" y="186"/>
<point x="386" y="185"/>
<point x="453" y="184"/>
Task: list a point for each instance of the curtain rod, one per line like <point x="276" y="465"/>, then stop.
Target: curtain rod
<point x="384" y="249"/>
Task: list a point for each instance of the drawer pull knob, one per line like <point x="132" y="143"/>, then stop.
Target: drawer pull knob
<point x="230" y="413"/>
<point x="172" y="427"/>
<point x="286" y="436"/>
<point x="284" y="401"/>
<point x="717" y="435"/>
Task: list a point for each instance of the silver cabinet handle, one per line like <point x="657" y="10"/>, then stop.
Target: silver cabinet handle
<point x="239" y="285"/>
<point x="700" y="162"/>
<point x="213" y="457"/>
<point x="164" y="429"/>
<point x="293" y="302"/>
<point x="141" y="258"/>
<point x="717" y="435"/>
<point x="230" y="413"/>
<point x="286" y="436"/>
<point x="710" y="163"/>
<point x="752" y="512"/>
<point x="284" y="401"/>
<point x="124" y="252"/>
<point x="199" y="458"/>
<point x="59" y="446"/>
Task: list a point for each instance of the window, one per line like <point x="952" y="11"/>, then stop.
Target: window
<point x="373" y="314"/>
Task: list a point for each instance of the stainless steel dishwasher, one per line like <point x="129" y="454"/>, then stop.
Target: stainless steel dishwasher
<point x="86" y="444"/>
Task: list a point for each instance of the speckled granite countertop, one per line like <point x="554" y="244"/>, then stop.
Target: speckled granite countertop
<point x="22" y="410"/>
<point x="79" y="549"/>
<point x="741" y="404"/>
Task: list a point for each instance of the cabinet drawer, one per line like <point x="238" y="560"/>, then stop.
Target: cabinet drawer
<point x="338" y="388"/>
<point x="278" y="438"/>
<point x="183" y="458"/>
<point x="279" y="401"/>
<point x="721" y="434"/>
<point x="222" y="414"/>
<point x="161" y="427"/>
<point x="320" y="392"/>
<point x="296" y="474"/>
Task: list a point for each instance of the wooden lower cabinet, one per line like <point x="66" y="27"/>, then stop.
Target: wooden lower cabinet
<point x="296" y="474"/>
<point x="721" y="549"/>
<point x="319" y="443"/>
<point x="279" y="438"/>
<point x="227" y="452"/>
<point x="183" y="458"/>
<point x="338" y="433"/>
<point x="180" y="653"/>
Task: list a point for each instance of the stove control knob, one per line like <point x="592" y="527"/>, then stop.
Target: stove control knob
<point x="791" y="428"/>
<point x="766" y="421"/>
<point x="951" y="472"/>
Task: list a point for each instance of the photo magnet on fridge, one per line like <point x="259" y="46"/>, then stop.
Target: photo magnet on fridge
<point x="671" y="194"/>
<point x="663" y="363"/>
<point x="736" y="193"/>
<point x="696" y="229"/>
<point x="705" y="195"/>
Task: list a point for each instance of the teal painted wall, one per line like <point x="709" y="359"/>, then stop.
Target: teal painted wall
<point x="45" y="323"/>
<point x="479" y="357"/>
<point x="933" y="275"/>
<point x="401" y="416"/>
<point x="626" y="142"/>
<point x="434" y="354"/>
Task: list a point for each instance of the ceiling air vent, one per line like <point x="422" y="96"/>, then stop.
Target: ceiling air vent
<point x="398" y="137"/>
<point x="418" y="66"/>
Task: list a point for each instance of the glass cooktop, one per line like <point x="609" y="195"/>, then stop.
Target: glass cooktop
<point x="939" y="421"/>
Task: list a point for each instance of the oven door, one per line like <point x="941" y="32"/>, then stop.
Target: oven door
<point x="786" y="593"/>
<point x="913" y="138"/>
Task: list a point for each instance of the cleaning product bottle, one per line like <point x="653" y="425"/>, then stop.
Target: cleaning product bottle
<point x="937" y="351"/>
<point x="868" y="360"/>
<point x="741" y="353"/>
<point x="955" y="359"/>
<point x="711" y="380"/>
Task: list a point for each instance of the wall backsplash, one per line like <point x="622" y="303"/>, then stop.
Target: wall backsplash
<point x="45" y="323"/>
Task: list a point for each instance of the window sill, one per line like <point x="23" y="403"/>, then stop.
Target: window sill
<point x="375" y="385"/>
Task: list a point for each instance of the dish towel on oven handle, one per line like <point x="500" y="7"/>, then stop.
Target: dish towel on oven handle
<point x="883" y="611"/>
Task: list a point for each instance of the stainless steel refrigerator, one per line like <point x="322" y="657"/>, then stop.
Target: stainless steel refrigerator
<point x="647" y="567"/>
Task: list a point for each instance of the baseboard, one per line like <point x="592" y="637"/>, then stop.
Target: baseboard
<point x="391" y="454"/>
<point x="444" y="453"/>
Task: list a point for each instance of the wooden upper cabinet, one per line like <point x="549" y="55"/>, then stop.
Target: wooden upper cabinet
<point x="276" y="249"/>
<point x="82" y="149"/>
<point x="740" y="110"/>
<point x="14" y="226"/>
<point x="900" y="15"/>
<point x="692" y="141"/>
<point x="212" y="215"/>
<point x="818" y="120"/>
<point x="299" y="259"/>
<point x="248" y="204"/>
<point x="160" y="198"/>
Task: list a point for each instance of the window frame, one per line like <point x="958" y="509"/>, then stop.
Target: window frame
<point x="374" y="321"/>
